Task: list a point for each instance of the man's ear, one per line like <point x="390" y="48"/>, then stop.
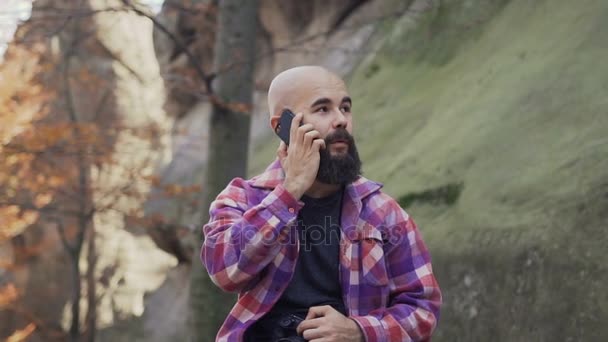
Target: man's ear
<point x="274" y="122"/>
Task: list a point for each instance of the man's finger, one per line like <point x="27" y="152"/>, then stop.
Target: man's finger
<point x="312" y="313"/>
<point x="295" y="123"/>
<point x="301" y="131"/>
<point x="282" y="150"/>
<point x="282" y="154"/>
<point x="312" y="334"/>
<point x="319" y="144"/>
<point x="310" y="136"/>
<point x="309" y="324"/>
<point x="318" y="311"/>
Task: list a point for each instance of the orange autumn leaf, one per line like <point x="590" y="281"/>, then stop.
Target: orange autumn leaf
<point x="173" y="189"/>
<point x="42" y="199"/>
<point x="13" y="221"/>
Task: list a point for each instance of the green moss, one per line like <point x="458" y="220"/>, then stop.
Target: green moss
<point x="371" y="70"/>
<point x="509" y="98"/>
<point x="446" y="194"/>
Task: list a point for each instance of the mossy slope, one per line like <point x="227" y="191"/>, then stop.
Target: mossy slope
<point x="508" y="100"/>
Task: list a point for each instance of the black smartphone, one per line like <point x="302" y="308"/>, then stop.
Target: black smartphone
<point x="284" y="127"/>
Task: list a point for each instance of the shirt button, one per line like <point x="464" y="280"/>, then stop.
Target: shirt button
<point x="292" y="210"/>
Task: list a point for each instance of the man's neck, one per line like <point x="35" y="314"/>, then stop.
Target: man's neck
<point x="320" y="190"/>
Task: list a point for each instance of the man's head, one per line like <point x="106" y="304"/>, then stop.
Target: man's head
<point x="322" y="98"/>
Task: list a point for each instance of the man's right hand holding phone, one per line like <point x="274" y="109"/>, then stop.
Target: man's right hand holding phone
<point x="300" y="160"/>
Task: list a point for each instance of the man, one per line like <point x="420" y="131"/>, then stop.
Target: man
<point x="316" y="251"/>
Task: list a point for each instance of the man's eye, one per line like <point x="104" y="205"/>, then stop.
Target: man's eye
<point x="322" y="109"/>
<point x="346" y="109"/>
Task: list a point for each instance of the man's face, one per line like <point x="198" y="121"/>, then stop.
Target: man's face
<point x="322" y="98"/>
<point x="327" y="106"/>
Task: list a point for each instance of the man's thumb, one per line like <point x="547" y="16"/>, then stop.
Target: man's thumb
<point x="282" y="151"/>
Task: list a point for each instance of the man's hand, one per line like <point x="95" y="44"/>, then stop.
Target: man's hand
<point x="300" y="160"/>
<point x="325" y="324"/>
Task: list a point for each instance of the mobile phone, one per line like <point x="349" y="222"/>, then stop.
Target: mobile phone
<point x="284" y="127"/>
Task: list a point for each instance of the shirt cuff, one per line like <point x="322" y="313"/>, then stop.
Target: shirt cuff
<point x="371" y="327"/>
<point x="283" y="205"/>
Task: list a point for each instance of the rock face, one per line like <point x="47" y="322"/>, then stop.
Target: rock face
<point x="123" y="46"/>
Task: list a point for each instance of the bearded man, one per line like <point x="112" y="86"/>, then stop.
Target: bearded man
<point x="316" y="251"/>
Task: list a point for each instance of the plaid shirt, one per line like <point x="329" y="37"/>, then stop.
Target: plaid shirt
<point x="386" y="277"/>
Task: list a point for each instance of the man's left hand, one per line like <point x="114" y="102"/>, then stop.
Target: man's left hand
<point x="325" y="324"/>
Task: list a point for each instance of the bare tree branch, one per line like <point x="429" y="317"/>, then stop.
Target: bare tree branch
<point x="61" y="230"/>
<point x="207" y="79"/>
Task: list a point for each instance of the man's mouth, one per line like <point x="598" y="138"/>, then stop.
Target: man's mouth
<point x="340" y="143"/>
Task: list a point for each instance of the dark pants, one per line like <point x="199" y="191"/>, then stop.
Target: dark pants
<point x="275" y="328"/>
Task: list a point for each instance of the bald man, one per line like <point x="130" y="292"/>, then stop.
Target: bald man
<point x="315" y="251"/>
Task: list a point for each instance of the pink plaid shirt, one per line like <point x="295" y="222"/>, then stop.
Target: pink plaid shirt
<point x="387" y="280"/>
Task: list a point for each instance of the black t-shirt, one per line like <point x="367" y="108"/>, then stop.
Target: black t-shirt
<point x="316" y="277"/>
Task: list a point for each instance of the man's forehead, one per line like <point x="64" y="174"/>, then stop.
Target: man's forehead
<point x="301" y="78"/>
<point x="304" y="85"/>
<point x="327" y="87"/>
<point x="325" y="95"/>
<point x="308" y="89"/>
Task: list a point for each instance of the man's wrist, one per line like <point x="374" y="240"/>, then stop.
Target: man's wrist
<point x="293" y="189"/>
<point x="357" y="330"/>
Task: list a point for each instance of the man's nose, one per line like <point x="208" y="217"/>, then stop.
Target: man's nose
<point x="340" y="120"/>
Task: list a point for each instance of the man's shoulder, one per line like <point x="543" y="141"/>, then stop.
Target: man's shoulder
<point x="243" y="185"/>
<point x="267" y="180"/>
<point x="374" y="193"/>
<point x="384" y="198"/>
<point x="386" y="206"/>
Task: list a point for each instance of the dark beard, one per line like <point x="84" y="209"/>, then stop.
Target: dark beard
<point x="341" y="169"/>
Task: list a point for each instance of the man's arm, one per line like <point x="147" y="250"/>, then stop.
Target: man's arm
<point x="413" y="311"/>
<point x="241" y="241"/>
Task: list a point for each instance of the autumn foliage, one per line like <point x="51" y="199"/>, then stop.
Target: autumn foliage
<point x="64" y="158"/>
<point x="22" y="101"/>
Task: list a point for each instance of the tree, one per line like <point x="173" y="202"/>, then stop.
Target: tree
<point x="58" y="137"/>
<point x="228" y="145"/>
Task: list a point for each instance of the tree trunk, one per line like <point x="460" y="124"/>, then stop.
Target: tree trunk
<point x="91" y="317"/>
<point x="74" y="325"/>
<point x="83" y="216"/>
<point x="228" y="146"/>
